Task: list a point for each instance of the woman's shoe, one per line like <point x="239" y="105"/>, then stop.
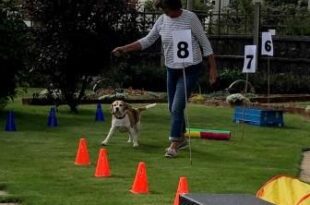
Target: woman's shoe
<point x="182" y="145"/>
<point x="171" y="153"/>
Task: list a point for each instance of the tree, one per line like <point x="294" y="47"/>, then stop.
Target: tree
<point x="287" y="13"/>
<point x="74" y="40"/>
<point x="148" y="6"/>
<point x="13" y="38"/>
<point x="276" y="3"/>
<point x="199" y="5"/>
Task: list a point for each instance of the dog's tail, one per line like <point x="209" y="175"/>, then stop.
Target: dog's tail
<point x="150" y="105"/>
<point x="146" y="107"/>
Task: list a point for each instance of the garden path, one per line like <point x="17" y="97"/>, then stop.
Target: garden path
<point x="4" y="193"/>
<point x="305" y="167"/>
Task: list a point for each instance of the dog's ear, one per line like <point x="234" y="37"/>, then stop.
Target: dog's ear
<point x="111" y="108"/>
<point x="126" y="106"/>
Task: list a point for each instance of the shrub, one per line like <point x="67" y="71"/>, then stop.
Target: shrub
<point x="237" y="99"/>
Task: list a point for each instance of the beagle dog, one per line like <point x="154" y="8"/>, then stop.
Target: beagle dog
<point x="126" y="119"/>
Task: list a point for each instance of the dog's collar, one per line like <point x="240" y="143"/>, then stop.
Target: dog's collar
<point x="121" y="117"/>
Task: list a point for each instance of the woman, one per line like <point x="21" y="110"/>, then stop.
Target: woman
<point x="176" y="18"/>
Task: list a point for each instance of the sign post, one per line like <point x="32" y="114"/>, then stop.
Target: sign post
<point x="183" y="53"/>
<point x="249" y="63"/>
<point x="267" y="49"/>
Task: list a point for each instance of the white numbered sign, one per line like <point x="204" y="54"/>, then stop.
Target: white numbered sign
<point x="182" y="46"/>
<point x="267" y="46"/>
<point x="249" y="65"/>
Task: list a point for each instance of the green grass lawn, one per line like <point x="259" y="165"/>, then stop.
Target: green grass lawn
<point x="37" y="162"/>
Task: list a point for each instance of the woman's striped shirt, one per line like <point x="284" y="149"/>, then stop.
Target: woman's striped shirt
<point x="165" y="25"/>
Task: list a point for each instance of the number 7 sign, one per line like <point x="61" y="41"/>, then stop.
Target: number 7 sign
<point x="182" y="46"/>
<point x="249" y="65"/>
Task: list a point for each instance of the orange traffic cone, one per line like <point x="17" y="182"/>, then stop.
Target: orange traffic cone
<point x="140" y="185"/>
<point x="82" y="156"/>
<point x="103" y="168"/>
<point x="182" y="189"/>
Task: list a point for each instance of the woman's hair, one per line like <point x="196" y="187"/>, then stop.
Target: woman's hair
<point x="168" y="4"/>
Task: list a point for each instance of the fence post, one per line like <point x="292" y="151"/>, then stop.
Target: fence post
<point x="219" y="18"/>
<point x="256" y="27"/>
<point x="189" y="5"/>
<point x="210" y="26"/>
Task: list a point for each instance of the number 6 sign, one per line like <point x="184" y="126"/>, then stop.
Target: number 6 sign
<point x="267" y="47"/>
<point x="249" y="64"/>
<point x="182" y="46"/>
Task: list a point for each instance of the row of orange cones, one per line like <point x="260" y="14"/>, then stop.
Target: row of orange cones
<point x="140" y="184"/>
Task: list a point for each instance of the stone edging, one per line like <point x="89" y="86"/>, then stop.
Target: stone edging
<point x="305" y="167"/>
<point x="32" y="101"/>
<point x="4" y="195"/>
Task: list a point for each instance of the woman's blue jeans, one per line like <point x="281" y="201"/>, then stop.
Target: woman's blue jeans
<point x="176" y="97"/>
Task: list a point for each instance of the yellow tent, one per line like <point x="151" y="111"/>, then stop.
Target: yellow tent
<point x="285" y="190"/>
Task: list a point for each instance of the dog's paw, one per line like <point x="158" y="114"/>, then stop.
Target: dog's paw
<point x="135" y="145"/>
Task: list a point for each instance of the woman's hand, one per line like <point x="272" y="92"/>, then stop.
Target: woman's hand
<point x="213" y="75"/>
<point x="118" y="51"/>
<point x="212" y="69"/>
